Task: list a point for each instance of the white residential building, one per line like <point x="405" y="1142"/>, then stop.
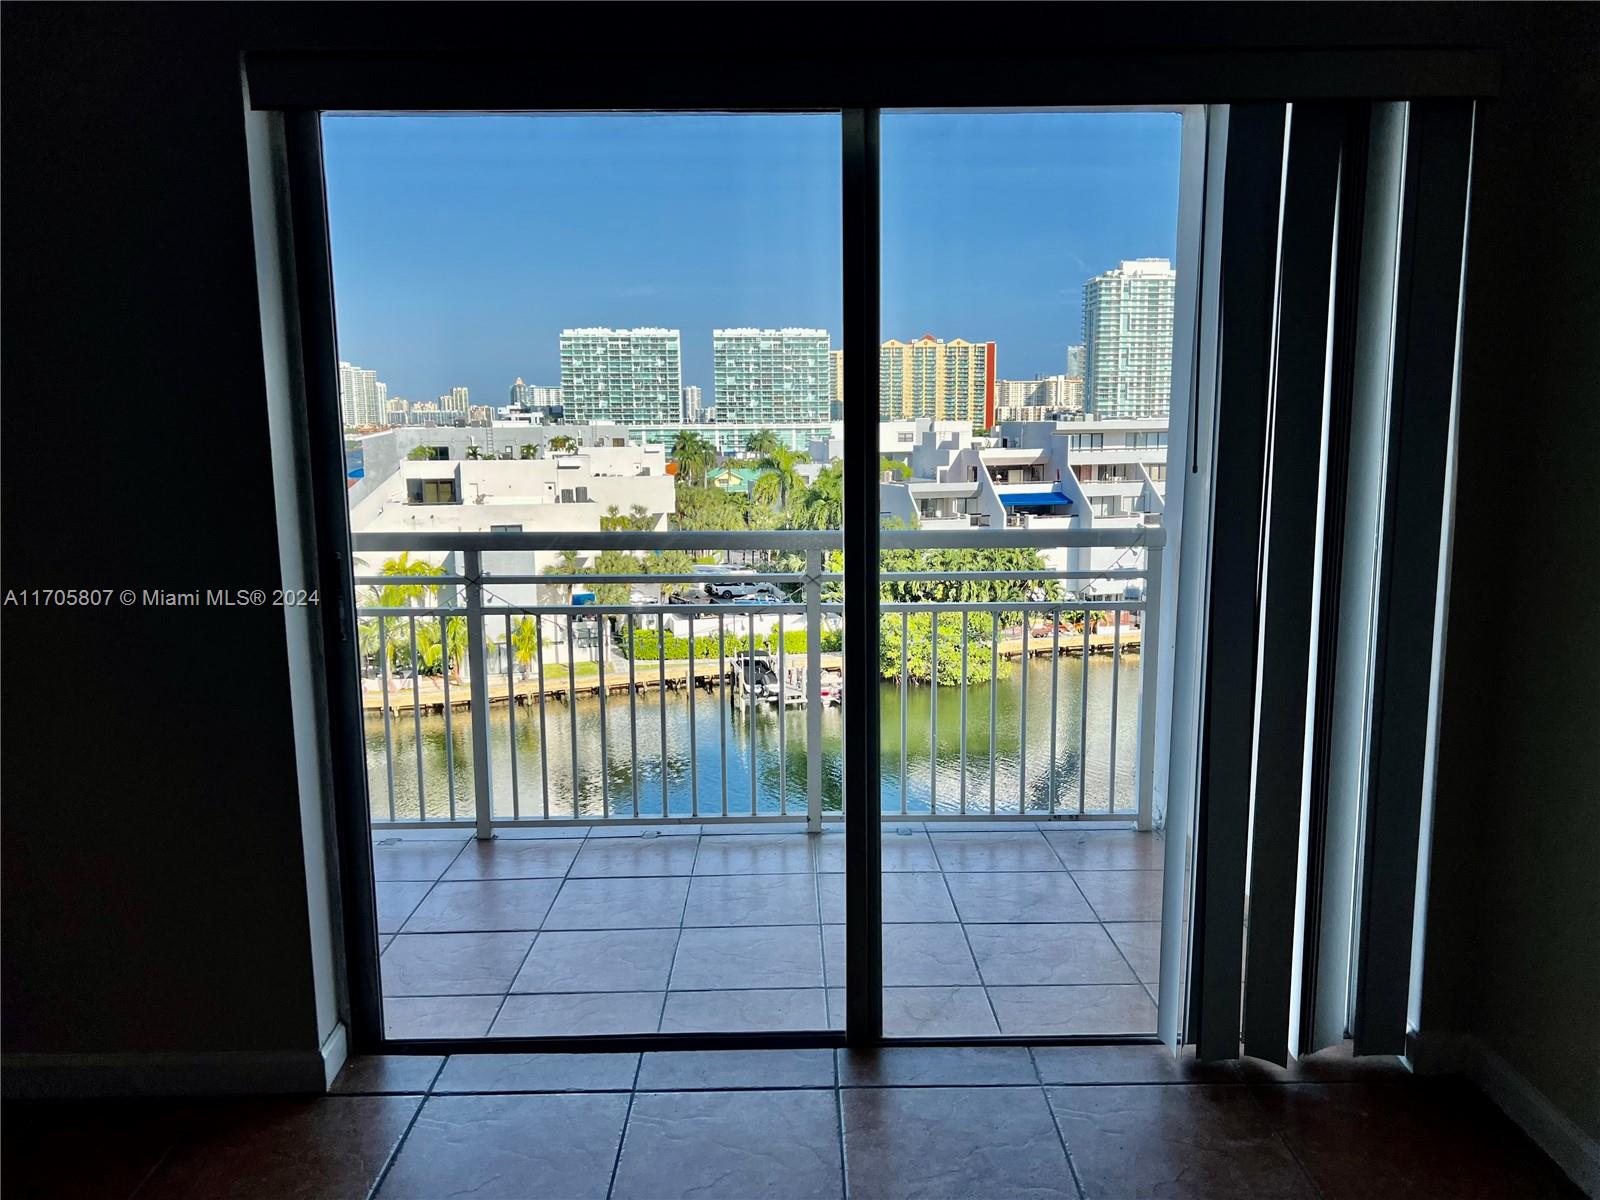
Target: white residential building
<point x="1039" y="475"/>
<point x="565" y="492"/>
<point x="630" y="376"/>
<point x="1127" y="333"/>
<point x="1044" y="397"/>
<point x="693" y="403"/>
<point x="363" y="397"/>
<point x="898" y="440"/>
<point x="770" y="376"/>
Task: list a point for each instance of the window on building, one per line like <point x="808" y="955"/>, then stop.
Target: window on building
<point x="431" y="491"/>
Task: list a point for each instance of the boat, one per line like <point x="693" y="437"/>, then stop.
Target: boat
<point x="755" y="681"/>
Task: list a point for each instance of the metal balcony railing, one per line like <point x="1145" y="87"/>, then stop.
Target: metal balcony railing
<point x="505" y="698"/>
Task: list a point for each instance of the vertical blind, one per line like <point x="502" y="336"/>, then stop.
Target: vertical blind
<point x="1341" y="261"/>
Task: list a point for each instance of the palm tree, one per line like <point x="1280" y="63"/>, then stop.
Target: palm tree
<point x="823" y="505"/>
<point x="887" y="464"/>
<point x="566" y="564"/>
<point x="639" y="519"/>
<point x="694" y="455"/>
<point x="524" y="643"/>
<point x="400" y="595"/>
<point x="777" y="479"/>
<point x="455" y="640"/>
<point x="671" y="562"/>
<point x="761" y="443"/>
<point x="430" y="654"/>
<point x="529" y="450"/>
<point x="368" y="639"/>
<point x="562" y="443"/>
<point x="474" y="452"/>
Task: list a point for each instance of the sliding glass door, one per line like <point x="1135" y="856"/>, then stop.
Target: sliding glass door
<point x="590" y="382"/>
<point x="1029" y="292"/>
<point x="758" y="530"/>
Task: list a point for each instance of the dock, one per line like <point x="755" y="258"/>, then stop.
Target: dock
<point x="430" y="691"/>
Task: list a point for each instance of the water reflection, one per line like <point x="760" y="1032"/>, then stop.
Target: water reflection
<point x="722" y="775"/>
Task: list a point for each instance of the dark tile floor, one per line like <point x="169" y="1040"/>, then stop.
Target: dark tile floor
<point x="991" y="1122"/>
<point x="990" y="928"/>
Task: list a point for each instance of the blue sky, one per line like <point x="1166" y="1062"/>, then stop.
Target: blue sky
<point x="462" y="246"/>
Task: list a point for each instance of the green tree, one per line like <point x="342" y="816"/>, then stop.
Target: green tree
<point x="401" y="595"/>
<point x="639" y="519"/>
<point x="694" y="454"/>
<point x="671" y="562"/>
<point x="614" y="562"/>
<point x="474" y="452"/>
<point x="566" y="564"/>
<point x="709" y="508"/>
<point x="405" y="592"/>
<point x="919" y="647"/>
<point x="562" y="443"/>
<point x="422" y="454"/>
<point x="761" y="443"/>
<point x="822" y="506"/>
<point x="430" y="654"/>
<point x="455" y="638"/>
<point x="525" y="643"/>
<point x="887" y="465"/>
<point x="777" y="480"/>
<point x="529" y="450"/>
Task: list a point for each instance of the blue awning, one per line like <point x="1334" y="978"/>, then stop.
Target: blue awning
<point x="1013" y="499"/>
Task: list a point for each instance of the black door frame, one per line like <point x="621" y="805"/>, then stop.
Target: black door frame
<point x="297" y="89"/>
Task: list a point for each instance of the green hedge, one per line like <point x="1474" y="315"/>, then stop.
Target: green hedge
<point x="647" y="647"/>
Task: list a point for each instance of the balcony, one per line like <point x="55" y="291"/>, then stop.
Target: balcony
<point x="630" y="830"/>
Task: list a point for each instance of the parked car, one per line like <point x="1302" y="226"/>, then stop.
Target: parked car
<point x="746" y="590"/>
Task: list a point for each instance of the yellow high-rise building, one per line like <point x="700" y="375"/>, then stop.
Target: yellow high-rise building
<point x="944" y="381"/>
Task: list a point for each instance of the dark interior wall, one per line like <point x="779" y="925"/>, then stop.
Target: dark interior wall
<point x="1513" y="950"/>
<point x="154" y="897"/>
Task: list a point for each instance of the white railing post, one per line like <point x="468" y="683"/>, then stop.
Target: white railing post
<point x="813" y="591"/>
<point x="478" y="666"/>
<point x="1149" y="662"/>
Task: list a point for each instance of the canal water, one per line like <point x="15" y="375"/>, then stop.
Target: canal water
<point x="741" y="765"/>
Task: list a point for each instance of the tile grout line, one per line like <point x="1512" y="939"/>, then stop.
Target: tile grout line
<point x="967" y="941"/>
<point x="432" y="883"/>
<point x="821" y="928"/>
<point x="1281" y="1136"/>
<point x="383" y="997"/>
<point x="160" y="1162"/>
<point x="963" y="1085"/>
<point x="627" y="1119"/>
<point x="1101" y="923"/>
<point x="394" y="1157"/>
<point x="838" y="1110"/>
<point x="822" y="949"/>
<point x="444" y="1061"/>
<point x="1044" y="1092"/>
<point x="666" y="988"/>
<point x="528" y="953"/>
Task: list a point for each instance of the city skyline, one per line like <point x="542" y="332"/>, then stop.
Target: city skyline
<point x="463" y="246"/>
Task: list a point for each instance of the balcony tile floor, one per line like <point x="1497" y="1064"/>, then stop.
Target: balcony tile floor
<point x="998" y="1122"/>
<point x="1000" y="929"/>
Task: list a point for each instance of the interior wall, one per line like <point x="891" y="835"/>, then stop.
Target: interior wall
<point x="1513" y="942"/>
<point x="154" y="895"/>
<point x="154" y="892"/>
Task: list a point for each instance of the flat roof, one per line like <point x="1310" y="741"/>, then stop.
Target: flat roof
<point x="1012" y="499"/>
